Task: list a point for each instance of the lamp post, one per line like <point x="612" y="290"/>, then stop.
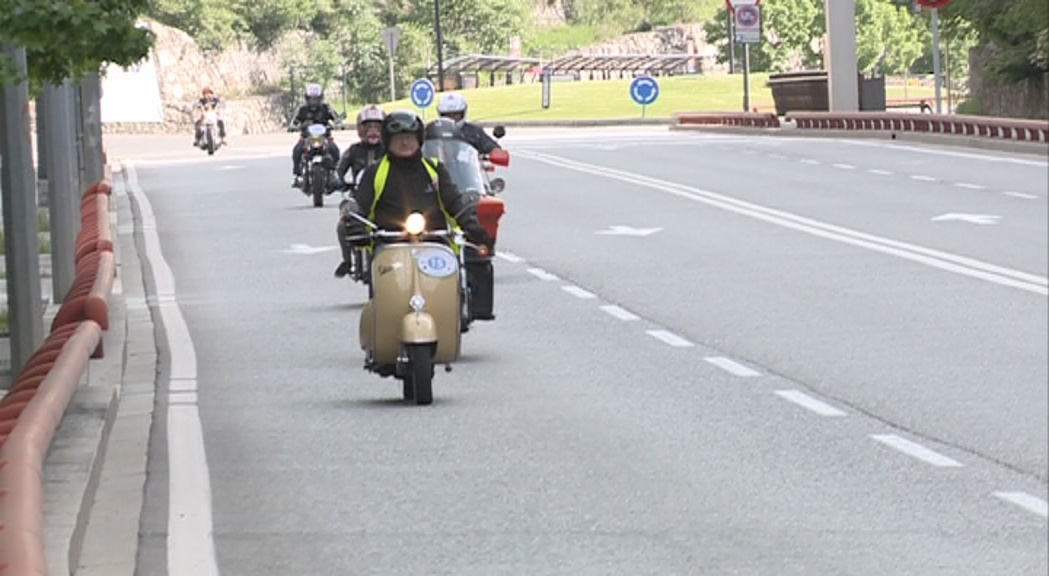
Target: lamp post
<point x="440" y="42"/>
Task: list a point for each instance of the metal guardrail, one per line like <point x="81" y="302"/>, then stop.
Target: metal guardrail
<point x="1003" y="129"/>
<point x="32" y="410"/>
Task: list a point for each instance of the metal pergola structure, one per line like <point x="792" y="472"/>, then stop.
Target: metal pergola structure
<point x="601" y="64"/>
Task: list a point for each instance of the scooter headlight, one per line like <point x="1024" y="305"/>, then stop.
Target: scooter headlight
<point x="417" y="303"/>
<point x="415" y="223"/>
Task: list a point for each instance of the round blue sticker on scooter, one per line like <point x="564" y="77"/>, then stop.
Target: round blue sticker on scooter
<point x="437" y="263"/>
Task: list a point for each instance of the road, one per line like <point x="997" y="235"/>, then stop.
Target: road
<point x="713" y="355"/>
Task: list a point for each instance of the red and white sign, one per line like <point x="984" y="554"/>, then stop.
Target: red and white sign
<point x="930" y="4"/>
<point x="732" y="4"/>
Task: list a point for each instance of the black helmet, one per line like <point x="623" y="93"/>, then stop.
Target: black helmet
<point x="443" y="129"/>
<point x="401" y="122"/>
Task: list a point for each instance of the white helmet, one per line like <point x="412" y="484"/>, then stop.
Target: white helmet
<point x="370" y="114"/>
<point x="452" y="103"/>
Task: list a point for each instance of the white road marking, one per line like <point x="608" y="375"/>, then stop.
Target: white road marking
<point x="845" y="166"/>
<point x="669" y="338"/>
<point x="927" y="256"/>
<point x="809" y="162"/>
<point x="916" y="450"/>
<point x="1021" y="195"/>
<point x="921" y="178"/>
<point x="777" y="156"/>
<point x="1026" y="501"/>
<point x="969" y="186"/>
<point x="232" y="167"/>
<point x="984" y="157"/>
<point x="617" y="312"/>
<point x="809" y="403"/>
<point x="510" y="257"/>
<point x="190" y="541"/>
<point x="732" y="367"/>
<point x="880" y="172"/>
<point x="542" y="274"/>
<point x="578" y="292"/>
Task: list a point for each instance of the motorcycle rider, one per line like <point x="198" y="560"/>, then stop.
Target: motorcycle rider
<point x="404" y="182"/>
<point x="314" y="111"/>
<point x="207" y="100"/>
<point x="369" y="150"/>
<point x="453" y="106"/>
<point x="355" y="160"/>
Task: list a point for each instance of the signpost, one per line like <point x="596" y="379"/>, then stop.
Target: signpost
<point x="747" y="23"/>
<point x="645" y="91"/>
<point x="422" y="94"/>
<point x="390" y="37"/>
<point x="546" y="88"/>
<point x="934" y="6"/>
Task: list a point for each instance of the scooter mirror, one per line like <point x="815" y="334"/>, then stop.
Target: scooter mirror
<point x="499" y="131"/>
<point x="499" y="157"/>
<point x="497" y="185"/>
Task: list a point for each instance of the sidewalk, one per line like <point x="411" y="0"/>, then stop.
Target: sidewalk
<point x="96" y="469"/>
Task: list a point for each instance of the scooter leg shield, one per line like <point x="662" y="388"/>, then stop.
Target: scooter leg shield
<point x="418" y="328"/>
<point x="365" y="327"/>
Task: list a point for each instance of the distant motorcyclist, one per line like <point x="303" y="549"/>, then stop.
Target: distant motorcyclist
<point x="453" y="106"/>
<point x="404" y="182"/>
<point x="356" y="160"/>
<point x="369" y="150"/>
<point x="207" y="100"/>
<point x="314" y="111"/>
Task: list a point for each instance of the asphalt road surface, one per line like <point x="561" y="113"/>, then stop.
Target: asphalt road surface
<point x="712" y="355"/>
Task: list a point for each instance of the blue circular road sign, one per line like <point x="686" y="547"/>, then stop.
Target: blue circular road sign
<point x="422" y="92"/>
<point x="644" y="90"/>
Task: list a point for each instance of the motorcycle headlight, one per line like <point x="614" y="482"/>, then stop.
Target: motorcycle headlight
<point x="415" y="223"/>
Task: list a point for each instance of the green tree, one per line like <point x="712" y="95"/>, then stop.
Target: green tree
<point x="213" y="24"/>
<point x="72" y="39"/>
<point x="1017" y="30"/>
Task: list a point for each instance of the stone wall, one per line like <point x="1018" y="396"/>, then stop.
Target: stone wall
<point x="238" y="75"/>
<point x="1027" y="99"/>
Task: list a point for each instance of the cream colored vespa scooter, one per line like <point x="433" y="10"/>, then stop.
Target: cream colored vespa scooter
<point x="412" y="319"/>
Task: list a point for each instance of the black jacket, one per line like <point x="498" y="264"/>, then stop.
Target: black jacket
<point x="359" y="157"/>
<point x="323" y="114"/>
<point x="476" y="137"/>
<point x="409" y="188"/>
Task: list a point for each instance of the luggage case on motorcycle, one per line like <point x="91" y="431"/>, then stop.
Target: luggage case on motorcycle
<point x="489" y="211"/>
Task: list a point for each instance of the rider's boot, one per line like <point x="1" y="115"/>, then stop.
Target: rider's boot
<point x="342" y="269"/>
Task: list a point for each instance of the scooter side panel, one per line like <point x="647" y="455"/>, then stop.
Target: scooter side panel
<point x="438" y="277"/>
<point x="393" y="270"/>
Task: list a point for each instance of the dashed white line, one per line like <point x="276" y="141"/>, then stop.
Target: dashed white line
<point x="732" y="367"/>
<point x="578" y="292"/>
<point x="809" y="162"/>
<point x="669" y="338"/>
<point x="921" y="178"/>
<point x="845" y="166"/>
<point x="542" y="274"/>
<point x="916" y="450"/>
<point x="510" y="257"/>
<point x="1021" y="195"/>
<point x="809" y="403"/>
<point x="1026" y="501"/>
<point x="777" y="156"/>
<point x="968" y="186"/>
<point x="619" y="313"/>
<point x="880" y="172"/>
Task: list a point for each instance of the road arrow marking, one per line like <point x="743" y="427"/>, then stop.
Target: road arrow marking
<point x="983" y="219"/>
<point x="307" y="249"/>
<point x="628" y="231"/>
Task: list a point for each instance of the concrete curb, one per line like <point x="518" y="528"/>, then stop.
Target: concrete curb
<point x="595" y="123"/>
<point x="955" y="141"/>
<point x="111" y="534"/>
<point x="96" y="469"/>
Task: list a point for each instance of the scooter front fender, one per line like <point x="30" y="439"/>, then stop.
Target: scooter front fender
<point x="418" y="328"/>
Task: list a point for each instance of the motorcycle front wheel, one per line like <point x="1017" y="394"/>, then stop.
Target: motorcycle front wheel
<point x="419" y="378"/>
<point x="317" y="184"/>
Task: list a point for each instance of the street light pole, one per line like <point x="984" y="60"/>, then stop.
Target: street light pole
<point x="440" y="42"/>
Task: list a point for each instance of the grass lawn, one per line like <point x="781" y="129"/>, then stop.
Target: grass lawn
<point x="610" y="99"/>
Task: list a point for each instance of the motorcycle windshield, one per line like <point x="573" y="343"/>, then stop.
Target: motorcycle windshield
<point x="460" y="160"/>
